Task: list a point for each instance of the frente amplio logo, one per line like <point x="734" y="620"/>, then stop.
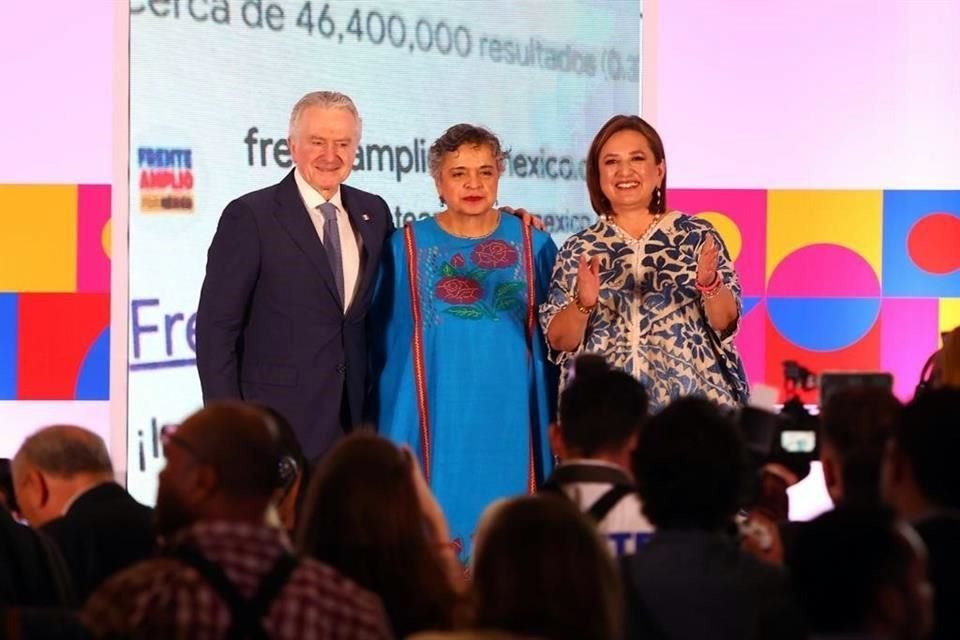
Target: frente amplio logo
<point x="166" y="179"/>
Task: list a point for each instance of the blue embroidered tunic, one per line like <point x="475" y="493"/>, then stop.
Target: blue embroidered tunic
<point x="650" y="319"/>
<point x="489" y="391"/>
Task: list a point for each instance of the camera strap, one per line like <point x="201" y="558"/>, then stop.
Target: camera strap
<point x="579" y="473"/>
<point x="246" y="614"/>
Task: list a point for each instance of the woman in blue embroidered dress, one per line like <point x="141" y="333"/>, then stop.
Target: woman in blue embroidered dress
<point x="653" y="291"/>
<point x="461" y="362"/>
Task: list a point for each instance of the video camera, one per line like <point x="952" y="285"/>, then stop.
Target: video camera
<point x="788" y="439"/>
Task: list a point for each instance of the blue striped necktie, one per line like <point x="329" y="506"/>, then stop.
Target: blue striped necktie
<point x="331" y="242"/>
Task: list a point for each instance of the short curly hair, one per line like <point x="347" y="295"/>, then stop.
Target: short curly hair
<point x="459" y="135"/>
<point x="601" y="409"/>
<point x="690" y="466"/>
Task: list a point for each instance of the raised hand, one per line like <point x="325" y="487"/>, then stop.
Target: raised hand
<point x="588" y="280"/>
<point x="707" y="262"/>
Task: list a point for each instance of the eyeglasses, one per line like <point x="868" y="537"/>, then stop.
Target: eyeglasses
<point x="168" y="435"/>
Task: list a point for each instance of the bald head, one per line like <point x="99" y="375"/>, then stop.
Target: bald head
<point x="64" y="451"/>
<point x="55" y="465"/>
<point x="240" y="442"/>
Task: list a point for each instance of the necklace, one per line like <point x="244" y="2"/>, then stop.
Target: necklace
<point x="626" y="237"/>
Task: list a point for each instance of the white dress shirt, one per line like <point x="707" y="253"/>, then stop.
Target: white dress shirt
<point x="625" y="526"/>
<point x="349" y="241"/>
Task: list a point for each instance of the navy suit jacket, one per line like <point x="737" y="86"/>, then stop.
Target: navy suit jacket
<point x="270" y="324"/>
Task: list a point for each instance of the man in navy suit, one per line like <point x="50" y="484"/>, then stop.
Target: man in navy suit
<point x="290" y="273"/>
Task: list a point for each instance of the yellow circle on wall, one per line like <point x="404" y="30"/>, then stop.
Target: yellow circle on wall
<point x="105" y="238"/>
<point x="728" y="230"/>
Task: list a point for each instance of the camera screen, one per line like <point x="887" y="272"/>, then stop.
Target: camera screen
<point x="798" y="441"/>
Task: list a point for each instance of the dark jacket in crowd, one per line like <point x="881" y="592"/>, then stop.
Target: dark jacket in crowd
<point x="104" y="530"/>
<point x="698" y="585"/>
<point x="32" y="572"/>
<point x="941" y="535"/>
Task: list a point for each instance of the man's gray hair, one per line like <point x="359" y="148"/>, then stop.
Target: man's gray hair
<point x="324" y="100"/>
<point x="65" y="451"/>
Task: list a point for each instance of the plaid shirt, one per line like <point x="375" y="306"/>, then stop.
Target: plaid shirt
<point x="164" y="598"/>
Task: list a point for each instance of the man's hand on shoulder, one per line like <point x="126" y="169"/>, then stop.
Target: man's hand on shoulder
<point x="529" y="219"/>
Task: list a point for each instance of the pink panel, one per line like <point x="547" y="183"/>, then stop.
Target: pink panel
<point x="825" y="271"/>
<point x="20" y="419"/>
<point x="751" y="343"/>
<point x="822" y="95"/>
<point x="93" y="213"/>
<point x="748" y="209"/>
<point x="57" y="63"/>
<point x="908" y="335"/>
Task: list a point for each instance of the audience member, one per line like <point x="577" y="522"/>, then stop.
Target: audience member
<point x="8" y="497"/>
<point x="293" y="472"/>
<point x="942" y="368"/>
<point x="369" y="515"/>
<point x="922" y="484"/>
<point x="541" y="570"/>
<point x="32" y="570"/>
<point x="859" y="573"/>
<point x="599" y="420"/>
<point x="950" y="359"/>
<point x="856" y="424"/>
<point x="225" y="572"/>
<point x="64" y="482"/>
<point x="691" y="580"/>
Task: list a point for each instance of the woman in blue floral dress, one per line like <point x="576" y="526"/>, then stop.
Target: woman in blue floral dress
<point x="653" y="291"/>
<point x="463" y="375"/>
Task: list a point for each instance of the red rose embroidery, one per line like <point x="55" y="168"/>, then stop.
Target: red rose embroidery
<point x="494" y="254"/>
<point x="459" y="290"/>
<point x="457" y="261"/>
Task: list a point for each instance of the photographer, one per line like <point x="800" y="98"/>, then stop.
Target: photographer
<point x="780" y="448"/>
<point x="848" y="438"/>
<point x="919" y="480"/>
<point x="854" y="428"/>
<point x="856" y="425"/>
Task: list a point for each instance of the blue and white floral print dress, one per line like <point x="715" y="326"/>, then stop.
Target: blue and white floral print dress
<point x="650" y="319"/>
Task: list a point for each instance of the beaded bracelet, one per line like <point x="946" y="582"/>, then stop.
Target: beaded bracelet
<point x="582" y="309"/>
<point x="712" y="293"/>
<point x="712" y="289"/>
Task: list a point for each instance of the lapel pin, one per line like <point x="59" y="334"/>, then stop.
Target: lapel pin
<point x="366" y="218"/>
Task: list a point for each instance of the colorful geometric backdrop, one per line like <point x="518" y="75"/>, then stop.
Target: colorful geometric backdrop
<point x="836" y="280"/>
<point x="54" y="292"/>
<point x="839" y="280"/>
